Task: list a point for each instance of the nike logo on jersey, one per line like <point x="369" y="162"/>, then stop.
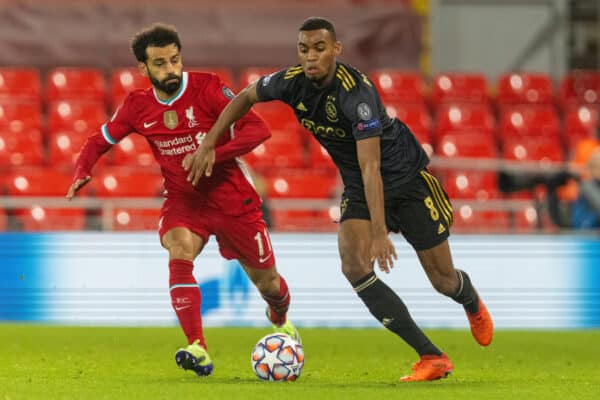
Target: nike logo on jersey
<point x="149" y="124"/>
<point x="262" y="260"/>
<point x="179" y="308"/>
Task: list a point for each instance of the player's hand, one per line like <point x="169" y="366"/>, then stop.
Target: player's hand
<point x="199" y="163"/>
<point x="383" y="251"/>
<point x="75" y="186"/>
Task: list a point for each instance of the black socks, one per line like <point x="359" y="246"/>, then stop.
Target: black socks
<point x="389" y="309"/>
<point x="466" y="294"/>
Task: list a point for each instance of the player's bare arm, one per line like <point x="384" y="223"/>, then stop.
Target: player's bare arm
<point x="202" y="160"/>
<point x="369" y="159"/>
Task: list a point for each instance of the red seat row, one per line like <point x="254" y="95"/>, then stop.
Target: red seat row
<point x="575" y="87"/>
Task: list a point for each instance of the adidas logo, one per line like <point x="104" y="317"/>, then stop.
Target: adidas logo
<point x="441" y="229"/>
<point x="301" y="107"/>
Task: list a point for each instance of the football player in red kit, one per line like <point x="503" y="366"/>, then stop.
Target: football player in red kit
<point x="174" y="115"/>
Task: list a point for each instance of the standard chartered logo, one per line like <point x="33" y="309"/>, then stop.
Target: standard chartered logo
<point x="180" y="144"/>
<point x="322" y="130"/>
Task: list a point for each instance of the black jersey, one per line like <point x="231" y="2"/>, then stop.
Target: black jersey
<point x="349" y="109"/>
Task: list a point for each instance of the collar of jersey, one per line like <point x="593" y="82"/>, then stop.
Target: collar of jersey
<point x="176" y="96"/>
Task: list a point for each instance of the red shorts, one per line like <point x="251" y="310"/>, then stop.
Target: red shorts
<point x="244" y="237"/>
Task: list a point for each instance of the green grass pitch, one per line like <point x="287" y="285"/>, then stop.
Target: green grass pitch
<point x="50" y="362"/>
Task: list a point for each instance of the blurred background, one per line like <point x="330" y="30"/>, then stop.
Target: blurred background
<point x="503" y="95"/>
<point x="489" y="87"/>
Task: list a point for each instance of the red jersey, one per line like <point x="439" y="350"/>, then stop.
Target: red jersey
<point x="176" y="127"/>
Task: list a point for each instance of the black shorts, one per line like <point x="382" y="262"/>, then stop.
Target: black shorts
<point x="419" y="209"/>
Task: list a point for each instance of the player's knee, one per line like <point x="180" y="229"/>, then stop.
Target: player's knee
<point x="181" y="249"/>
<point x="354" y="269"/>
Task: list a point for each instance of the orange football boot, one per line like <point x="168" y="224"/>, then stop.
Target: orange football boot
<point x="430" y="368"/>
<point x="482" y="326"/>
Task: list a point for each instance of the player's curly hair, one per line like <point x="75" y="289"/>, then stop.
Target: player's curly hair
<point x="314" y="23"/>
<point x="158" y="35"/>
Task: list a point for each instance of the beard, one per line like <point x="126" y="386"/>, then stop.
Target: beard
<point x="169" y="88"/>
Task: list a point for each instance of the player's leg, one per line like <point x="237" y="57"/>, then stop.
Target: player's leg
<point x="385" y="305"/>
<point x="435" y="257"/>
<point x="247" y="239"/>
<point x="183" y="246"/>
<point x="274" y="290"/>
<point x="456" y="284"/>
<point x="354" y="240"/>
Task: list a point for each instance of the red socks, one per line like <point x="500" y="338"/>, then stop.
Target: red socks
<point x="186" y="299"/>
<point x="279" y="305"/>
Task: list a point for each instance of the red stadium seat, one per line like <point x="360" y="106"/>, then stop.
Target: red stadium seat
<point x="127" y="182"/>
<point x="123" y="81"/>
<point x="133" y="219"/>
<point x="580" y="123"/>
<point x="465" y="119"/>
<point x="226" y="74"/>
<point x="75" y="116"/>
<point x="580" y="87"/>
<point x="532" y="149"/>
<point x="85" y="84"/>
<point x="64" y="148"/>
<point x="20" y="84"/>
<point x="468" y="218"/>
<point x="3" y="220"/>
<point x="305" y="220"/>
<point x="415" y="116"/>
<point x="38" y="181"/>
<point x="38" y="218"/>
<point x="133" y="150"/>
<point x="467" y="145"/>
<point x="277" y="115"/>
<point x="19" y="116"/>
<point x="476" y="186"/>
<point x="459" y="88"/>
<point x="252" y="74"/>
<point x="525" y="88"/>
<point x="471" y="185"/>
<point x="301" y="185"/>
<point x="22" y="148"/>
<point x="530" y="121"/>
<point x="320" y="159"/>
<point x="399" y="86"/>
<point x="277" y="154"/>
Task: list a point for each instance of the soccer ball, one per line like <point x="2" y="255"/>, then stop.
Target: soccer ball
<point x="277" y="357"/>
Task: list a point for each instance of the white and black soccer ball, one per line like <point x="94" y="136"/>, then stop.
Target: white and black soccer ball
<point x="277" y="357"/>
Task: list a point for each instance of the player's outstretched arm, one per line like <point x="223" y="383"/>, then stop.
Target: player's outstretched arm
<point x="369" y="159"/>
<point x="202" y="160"/>
<point x="91" y="151"/>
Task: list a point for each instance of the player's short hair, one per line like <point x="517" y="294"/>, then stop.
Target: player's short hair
<point x="157" y="35"/>
<point x="314" y="23"/>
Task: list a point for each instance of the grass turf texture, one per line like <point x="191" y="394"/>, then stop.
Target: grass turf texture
<point x="137" y="363"/>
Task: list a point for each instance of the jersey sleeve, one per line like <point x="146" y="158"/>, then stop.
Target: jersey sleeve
<point x="216" y="95"/>
<point x="247" y="133"/>
<point x="120" y="124"/>
<point x="275" y="86"/>
<point x="359" y="105"/>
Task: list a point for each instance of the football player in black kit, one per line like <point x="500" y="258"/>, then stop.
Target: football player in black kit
<point x="386" y="186"/>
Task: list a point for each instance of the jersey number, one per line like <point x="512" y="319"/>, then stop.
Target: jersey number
<point x="433" y="212"/>
<point x="260" y="238"/>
